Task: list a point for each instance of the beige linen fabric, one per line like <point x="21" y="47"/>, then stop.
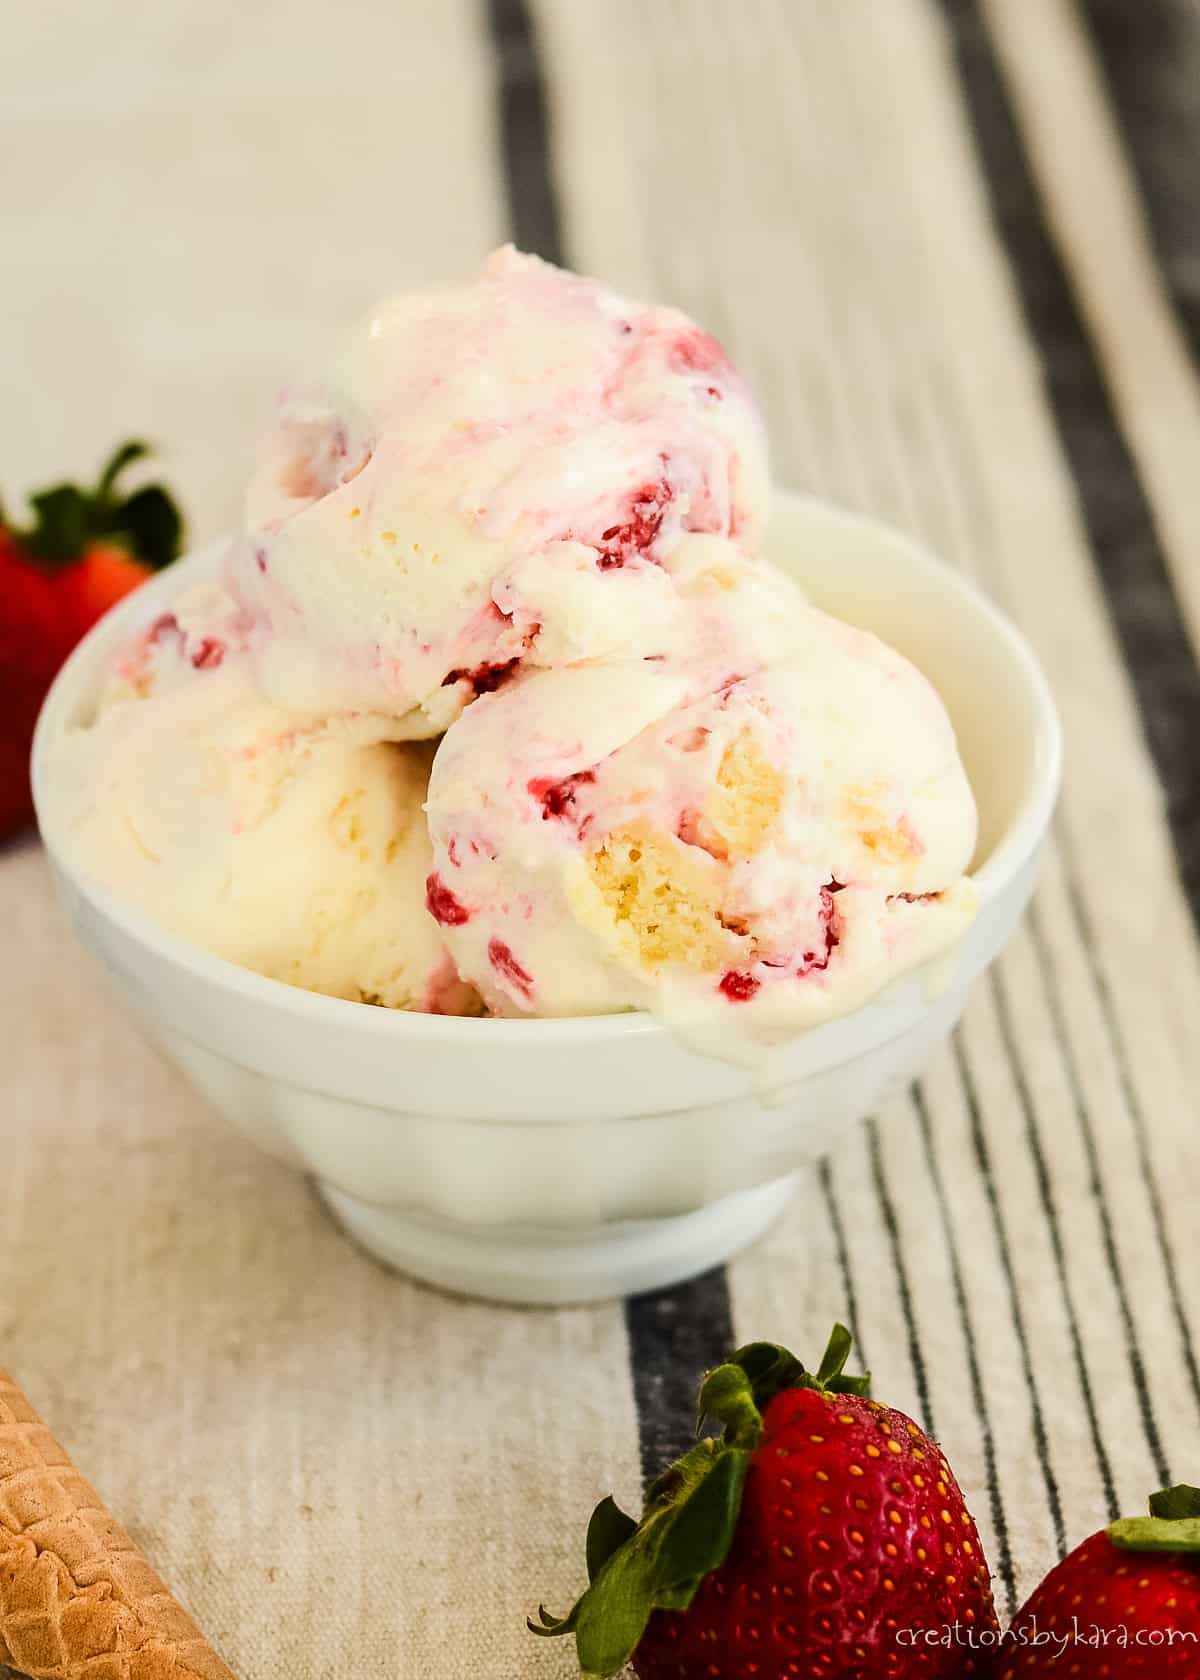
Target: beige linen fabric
<point x="338" y="1470"/>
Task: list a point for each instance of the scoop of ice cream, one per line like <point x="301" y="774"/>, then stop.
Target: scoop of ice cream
<point x="747" y="859"/>
<point x="295" y="848"/>
<point x="491" y="475"/>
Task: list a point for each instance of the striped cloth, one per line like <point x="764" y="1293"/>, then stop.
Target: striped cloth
<point x="956" y="248"/>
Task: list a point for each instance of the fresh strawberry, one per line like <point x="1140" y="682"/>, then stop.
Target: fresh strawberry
<point x="822" y="1535"/>
<point x="1124" y="1603"/>
<point x="35" y="638"/>
<point x="82" y="551"/>
<point x="100" y="578"/>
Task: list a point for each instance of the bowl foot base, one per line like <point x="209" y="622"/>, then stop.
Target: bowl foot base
<point x="546" y="1267"/>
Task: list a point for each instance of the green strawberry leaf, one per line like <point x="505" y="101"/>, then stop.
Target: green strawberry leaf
<point x="122" y="457"/>
<point x="1149" y="1534"/>
<point x="61" y="524"/>
<point x="608" y="1530"/>
<point x="150" y="524"/>
<point x="730" y="1395"/>
<point x="829" y="1371"/>
<point x="1175" y="1503"/>
<point x="1172" y="1526"/>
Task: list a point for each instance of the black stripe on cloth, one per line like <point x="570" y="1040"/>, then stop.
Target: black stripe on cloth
<point x="888" y="1210"/>
<point x="1138" y="1117"/>
<point x="1137" y="1363"/>
<point x="1116" y="512"/>
<point x="978" y="1391"/>
<point x="1150" y="55"/>
<point x="533" y="209"/>
<point x="1046" y="1196"/>
<point x="842" y="1250"/>
<point x="675" y="1335"/>
<point x="983" y="1161"/>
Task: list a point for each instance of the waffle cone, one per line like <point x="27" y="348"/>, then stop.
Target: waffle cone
<point x="78" y="1601"/>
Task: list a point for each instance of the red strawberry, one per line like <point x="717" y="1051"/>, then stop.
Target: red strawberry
<point x="102" y="575"/>
<point x="822" y="1535"/>
<point x="1124" y="1603"/>
<point x="83" y="550"/>
<point x="35" y="638"/>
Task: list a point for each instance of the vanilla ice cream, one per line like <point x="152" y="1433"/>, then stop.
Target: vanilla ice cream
<point x="490" y="475"/>
<point x="294" y="849"/>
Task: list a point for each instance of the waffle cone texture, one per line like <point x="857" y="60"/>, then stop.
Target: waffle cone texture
<point x="78" y="1601"/>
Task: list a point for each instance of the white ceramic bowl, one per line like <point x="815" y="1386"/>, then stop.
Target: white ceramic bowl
<point x="569" y="1160"/>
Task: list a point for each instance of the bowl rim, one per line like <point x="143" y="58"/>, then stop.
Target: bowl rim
<point x="1019" y="840"/>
